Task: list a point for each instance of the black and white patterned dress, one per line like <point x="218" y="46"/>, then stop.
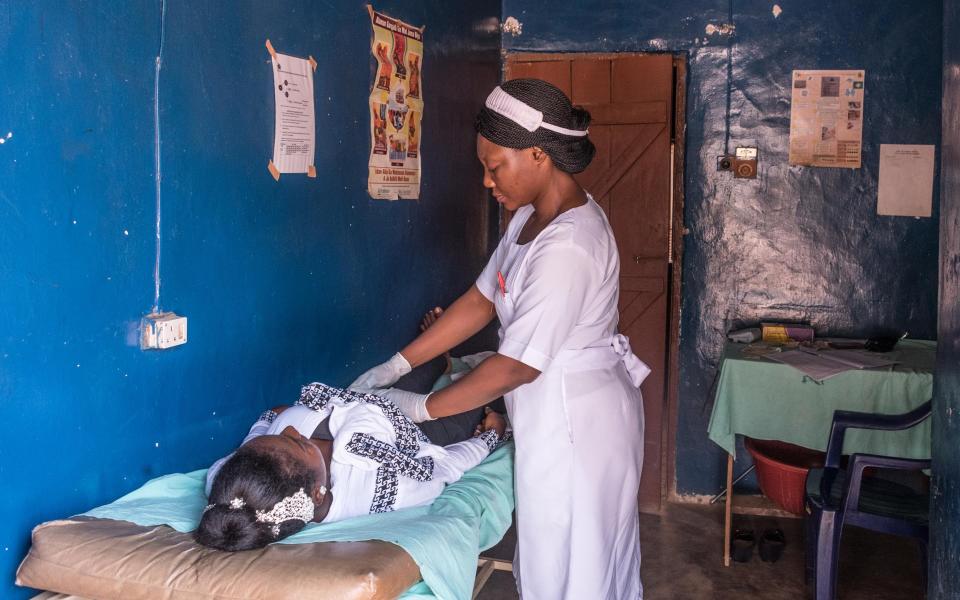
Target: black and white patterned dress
<point x="381" y="461"/>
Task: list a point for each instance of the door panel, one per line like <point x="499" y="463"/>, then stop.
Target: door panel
<point x="556" y="72"/>
<point x="630" y="99"/>
<point x="591" y="81"/>
<point x="642" y="78"/>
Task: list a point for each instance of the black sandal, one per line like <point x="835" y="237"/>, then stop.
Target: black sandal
<point x="741" y="545"/>
<point x="772" y="543"/>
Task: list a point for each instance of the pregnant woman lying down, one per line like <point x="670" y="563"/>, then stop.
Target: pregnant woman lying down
<point x="333" y="455"/>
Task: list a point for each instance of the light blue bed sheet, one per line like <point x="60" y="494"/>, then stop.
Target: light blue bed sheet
<point x="444" y="538"/>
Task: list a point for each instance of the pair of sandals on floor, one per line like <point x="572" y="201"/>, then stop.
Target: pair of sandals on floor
<point x="772" y="542"/>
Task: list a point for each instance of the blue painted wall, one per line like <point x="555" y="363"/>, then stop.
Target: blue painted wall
<point x="797" y="243"/>
<point x="944" y="581"/>
<point x="282" y="283"/>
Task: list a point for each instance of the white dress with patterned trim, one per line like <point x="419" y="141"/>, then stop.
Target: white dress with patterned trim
<point x="376" y="466"/>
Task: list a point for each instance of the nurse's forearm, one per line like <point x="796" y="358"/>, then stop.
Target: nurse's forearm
<point x="469" y="314"/>
<point x="491" y="379"/>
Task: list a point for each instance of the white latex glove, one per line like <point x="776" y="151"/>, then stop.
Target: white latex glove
<point x="383" y="375"/>
<point x="412" y="404"/>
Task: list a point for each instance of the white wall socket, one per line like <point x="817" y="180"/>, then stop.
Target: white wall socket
<point x="159" y="331"/>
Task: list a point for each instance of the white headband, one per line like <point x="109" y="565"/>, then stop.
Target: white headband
<point x="523" y="114"/>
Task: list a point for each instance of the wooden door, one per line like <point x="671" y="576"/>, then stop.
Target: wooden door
<point x="630" y="99"/>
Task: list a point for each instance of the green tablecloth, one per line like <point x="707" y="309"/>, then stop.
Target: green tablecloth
<point x="762" y="399"/>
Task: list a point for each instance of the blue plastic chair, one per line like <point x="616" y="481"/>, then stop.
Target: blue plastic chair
<point x="837" y="496"/>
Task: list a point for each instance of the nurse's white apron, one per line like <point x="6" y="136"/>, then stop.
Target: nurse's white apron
<point x="579" y="451"/>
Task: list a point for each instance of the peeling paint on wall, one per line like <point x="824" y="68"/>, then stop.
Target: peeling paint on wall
<point x="721" y="29"/>
<point x="512" y="26"/>
<point x="490" y="25"/>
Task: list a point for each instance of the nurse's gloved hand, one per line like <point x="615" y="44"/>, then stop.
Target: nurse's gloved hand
<point x="383" y="375"/>
<point x="412" y="404"/>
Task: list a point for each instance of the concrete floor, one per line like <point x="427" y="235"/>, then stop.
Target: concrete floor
<point x="682" y="560"/>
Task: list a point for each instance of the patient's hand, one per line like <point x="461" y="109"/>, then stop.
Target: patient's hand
<point x="493" y="420"/>
<point x="430" y="318"/>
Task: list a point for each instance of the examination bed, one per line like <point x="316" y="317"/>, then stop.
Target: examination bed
<point x="140" y="547"/>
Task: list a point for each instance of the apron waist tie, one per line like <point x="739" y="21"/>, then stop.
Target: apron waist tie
<point x="601" y="357"/>
<point x="637" y="369"/>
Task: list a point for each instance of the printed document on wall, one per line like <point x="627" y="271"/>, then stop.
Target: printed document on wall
<point x="294" y="131"/>
<point x="826" y="118"/>
<point x="905" y="188"/>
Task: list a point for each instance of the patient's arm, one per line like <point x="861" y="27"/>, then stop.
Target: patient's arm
<point x="463" y="456"/>
<point x="470" y="313"/>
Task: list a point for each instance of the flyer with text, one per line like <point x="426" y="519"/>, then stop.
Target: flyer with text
<point x="826" y="118"/>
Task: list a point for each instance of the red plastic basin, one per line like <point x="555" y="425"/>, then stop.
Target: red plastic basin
<point x="782" y="471"/>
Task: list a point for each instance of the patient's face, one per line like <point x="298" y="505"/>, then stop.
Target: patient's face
<point x="294" y="447"/>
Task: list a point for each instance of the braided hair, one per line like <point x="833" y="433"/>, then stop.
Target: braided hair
<point x="259" y="479"/>
<point x="570" y="154"/>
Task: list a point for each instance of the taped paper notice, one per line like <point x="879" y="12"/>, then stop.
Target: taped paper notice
<point x="294" y="136"/>
<point x="905" y="188"/>
<point x="396" y="109"/>
<point x="826" y="118"/>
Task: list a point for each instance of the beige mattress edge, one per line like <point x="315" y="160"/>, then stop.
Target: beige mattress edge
<point x="107" y="560"/>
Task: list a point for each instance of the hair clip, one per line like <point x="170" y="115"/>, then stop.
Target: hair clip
<point x="296" y="506"/>
<point x="237" y="503"/>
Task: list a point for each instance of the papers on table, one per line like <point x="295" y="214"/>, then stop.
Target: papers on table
<point x="859" y="359"/>
<point x="828" y="363"/>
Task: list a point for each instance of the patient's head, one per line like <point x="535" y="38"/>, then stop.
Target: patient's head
<point x="269" y="489"/>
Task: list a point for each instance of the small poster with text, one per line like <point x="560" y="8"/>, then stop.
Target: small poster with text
<point x="826" y="118"/>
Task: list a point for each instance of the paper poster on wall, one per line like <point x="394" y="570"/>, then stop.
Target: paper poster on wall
<point x="294" y="131"/>
<point x="396" y="109"/>
<point x="826" y="118"/>
<point x="905" y="188"/>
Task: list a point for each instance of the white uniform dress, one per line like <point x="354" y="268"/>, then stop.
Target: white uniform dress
<point x="359" y="481"/>
<point x="578" y="428"/>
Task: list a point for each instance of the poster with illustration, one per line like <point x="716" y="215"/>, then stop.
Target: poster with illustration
<point x="396" y="109"/>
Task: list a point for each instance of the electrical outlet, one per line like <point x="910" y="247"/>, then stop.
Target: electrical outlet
<point x="743" y="164"/>
<point x="159" y="331"/>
